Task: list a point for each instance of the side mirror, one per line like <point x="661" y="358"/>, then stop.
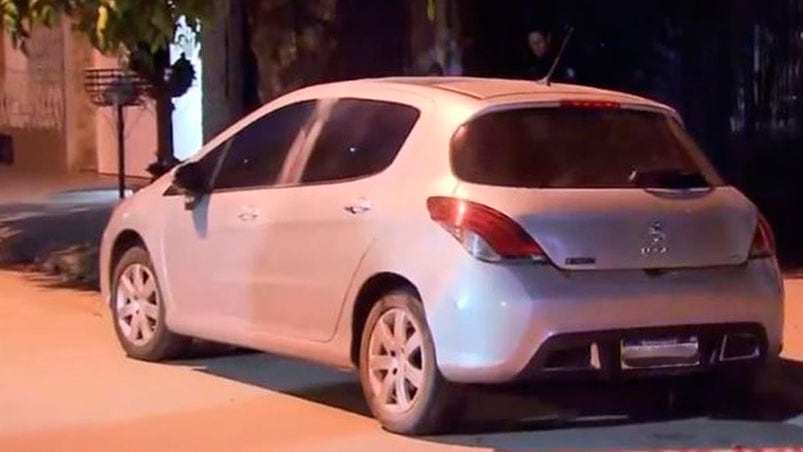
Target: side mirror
<point x="191" y="180"/>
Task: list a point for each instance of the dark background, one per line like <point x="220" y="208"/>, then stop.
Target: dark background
<point x="732" y="68"/>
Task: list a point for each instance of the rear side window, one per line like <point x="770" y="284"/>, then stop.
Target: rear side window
<point x="359" y="138"/>
<point x="579" y="148"/>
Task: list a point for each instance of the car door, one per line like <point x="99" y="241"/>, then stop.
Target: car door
<point x="322" y="227"/>
<point x="210" y="250"/>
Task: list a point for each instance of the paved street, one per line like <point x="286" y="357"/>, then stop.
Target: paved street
<point x="65" y="385"/>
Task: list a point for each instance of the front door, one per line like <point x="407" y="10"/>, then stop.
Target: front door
<point x="210" y="251"/>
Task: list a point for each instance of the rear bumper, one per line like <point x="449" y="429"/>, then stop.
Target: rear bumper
<point x="599" y="355"/>
<point x="497" y="324"/>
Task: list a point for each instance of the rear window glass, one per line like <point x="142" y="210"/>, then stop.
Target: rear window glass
<point x="579" y="148"/>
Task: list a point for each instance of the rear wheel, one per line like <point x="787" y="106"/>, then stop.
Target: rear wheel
<point x="138" y="311"/>
<point x="401" y="382"/>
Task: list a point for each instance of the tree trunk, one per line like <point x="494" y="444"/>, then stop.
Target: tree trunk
<point x="164" y="125"/>
<point x="292" y="43"/>
<point x="164" y="107"/>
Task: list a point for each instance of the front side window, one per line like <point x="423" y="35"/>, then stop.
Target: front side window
<point x="358" y="138"/>
<point x="257" y="153"/>
<point x="210" y="163"/>
<point x="579" y="148"/>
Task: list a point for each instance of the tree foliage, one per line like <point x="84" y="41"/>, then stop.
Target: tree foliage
<point x="138" y="31"/>
<point x="110" y="25"/>
<point x="293" y="43"/>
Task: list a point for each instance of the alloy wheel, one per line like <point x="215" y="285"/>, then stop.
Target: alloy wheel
<point x="396" y="364"/>
<point x="137" y="304"/>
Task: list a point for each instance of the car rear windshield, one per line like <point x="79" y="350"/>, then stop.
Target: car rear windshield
<point x="572" y="147"/>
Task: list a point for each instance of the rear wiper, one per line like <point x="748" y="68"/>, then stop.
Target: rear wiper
<point x="668" y="178"/>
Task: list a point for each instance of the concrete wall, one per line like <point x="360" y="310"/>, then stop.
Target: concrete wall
<point x="40" y="151"/>
<point x="31" y="101"/>
<point x="55" y="127"/>
<point x="79" y="113"/>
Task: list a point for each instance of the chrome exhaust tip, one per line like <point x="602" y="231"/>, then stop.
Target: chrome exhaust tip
<point x="739" y="347"/>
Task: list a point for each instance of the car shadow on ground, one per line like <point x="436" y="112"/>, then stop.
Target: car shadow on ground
<point x="288" y="376"/>
<point x="555" y="415"/>
<point x="53" y="280"/>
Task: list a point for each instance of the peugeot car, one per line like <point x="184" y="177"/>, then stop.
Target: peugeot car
<point x="436" y="234"/>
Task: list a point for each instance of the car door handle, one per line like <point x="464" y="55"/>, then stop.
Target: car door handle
<point x="358" y="206"/>
<point x="248" y="214"/>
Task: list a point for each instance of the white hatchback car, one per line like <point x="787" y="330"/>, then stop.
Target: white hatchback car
<point x="440" y="232"/>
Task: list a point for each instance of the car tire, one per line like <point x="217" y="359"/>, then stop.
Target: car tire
<point x="138" y="310"/>
<point x="427" y="403"/>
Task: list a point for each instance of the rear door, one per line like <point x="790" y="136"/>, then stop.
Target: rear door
<point x="323" y="224"/>
<point x="604" y="188"/>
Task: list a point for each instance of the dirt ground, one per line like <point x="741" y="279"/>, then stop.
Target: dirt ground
<point x="793" y="332"/>
<point x="65" y="385"/>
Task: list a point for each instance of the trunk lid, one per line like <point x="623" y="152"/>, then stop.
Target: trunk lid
<point x="604" y="186"/>
<point x="629" y="228"/>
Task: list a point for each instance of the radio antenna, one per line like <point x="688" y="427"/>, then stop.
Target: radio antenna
<point x="548" y="79"/>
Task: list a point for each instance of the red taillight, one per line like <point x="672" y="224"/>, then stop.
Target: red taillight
<point x="593" y="104"/>
<point x="484" y="232"/>
<point x="763" y="240"/>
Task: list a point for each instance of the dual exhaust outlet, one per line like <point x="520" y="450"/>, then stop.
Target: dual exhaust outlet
<point x="648" y="354"/>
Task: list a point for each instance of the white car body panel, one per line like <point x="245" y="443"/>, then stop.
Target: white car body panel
<point x="286" y="280"/>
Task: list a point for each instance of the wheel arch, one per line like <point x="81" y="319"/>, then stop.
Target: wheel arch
<point x="370" y="293"/>
<point x="124" y="241"/>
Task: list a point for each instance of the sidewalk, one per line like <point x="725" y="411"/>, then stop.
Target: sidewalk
<point x="52" y="223"/>
<point x="23" y="186"/>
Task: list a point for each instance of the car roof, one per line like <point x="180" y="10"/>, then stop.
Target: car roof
<point x="492" y="90"/>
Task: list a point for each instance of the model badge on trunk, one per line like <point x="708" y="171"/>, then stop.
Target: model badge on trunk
<point x="656" y="240"/>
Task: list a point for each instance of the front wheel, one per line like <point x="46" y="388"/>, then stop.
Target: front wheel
<point x="138" y="311"/>
<point x="401" y="382"/>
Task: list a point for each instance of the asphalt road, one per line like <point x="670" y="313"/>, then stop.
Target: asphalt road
<point x="65" y="385"/>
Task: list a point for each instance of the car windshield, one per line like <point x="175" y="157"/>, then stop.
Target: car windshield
<point x="579" y="148"/>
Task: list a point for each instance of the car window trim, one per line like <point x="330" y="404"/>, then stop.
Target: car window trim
<point x="301" y="184"/>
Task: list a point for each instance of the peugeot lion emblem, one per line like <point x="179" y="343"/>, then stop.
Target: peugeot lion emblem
<point x="656" y="240"/>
